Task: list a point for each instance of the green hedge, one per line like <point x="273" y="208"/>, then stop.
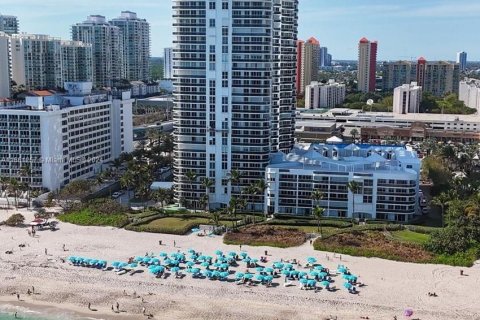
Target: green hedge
<point x="167" y="230"/>
<point x="310" y="223"/>
<point x="86" y="217"/>
<point x="421" y="229"/>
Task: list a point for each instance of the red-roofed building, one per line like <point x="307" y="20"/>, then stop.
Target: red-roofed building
<point x="367" y="65"/>
<point x="308" y="63"/>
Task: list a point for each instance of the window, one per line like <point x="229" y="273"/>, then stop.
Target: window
<point x="212" y="5"/>
<point x="212" y="23"/>
<point x="225" y="5"/>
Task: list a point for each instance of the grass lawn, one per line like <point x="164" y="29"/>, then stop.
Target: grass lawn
<point x="411" y="237"/>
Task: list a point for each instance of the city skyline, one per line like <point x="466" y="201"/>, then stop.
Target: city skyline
<point x="344" y="22"/>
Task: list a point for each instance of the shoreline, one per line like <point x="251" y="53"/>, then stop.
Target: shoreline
<point x="391" y="287"/>
<point x="50" y="310"/>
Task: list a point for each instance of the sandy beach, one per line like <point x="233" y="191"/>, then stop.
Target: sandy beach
<point x="391" y="287"/>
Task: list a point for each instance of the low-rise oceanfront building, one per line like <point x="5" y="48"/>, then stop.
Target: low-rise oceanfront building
<point x="64" y="137"/>
<point x="388" y="177"/>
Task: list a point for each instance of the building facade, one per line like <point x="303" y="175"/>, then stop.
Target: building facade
<point x="135" y="33"/>
<point x="469" y="93"/>
<point x="36" y="61"/>
<point x="234" y="66"/>
<point x="388" y="178"/>
<point x="9" y="24"/>
<point x="367" y="65"/>
<point x="107" y="48"/>
<point x="309" y="63"/>
<point x="435" y="77"/>
<point x="5" y="65"/>
<point x="462" y="60"/>
<point x="324" y="95"/>
<point x="168" y="63"/>
<point x="397" y="73"/>
<point x="325" y="57"/>
<point x="407" y="99"/>
<point x="77" y="61"/>
<point x="64" y="137"/>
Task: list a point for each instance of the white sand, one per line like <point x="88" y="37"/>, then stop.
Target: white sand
<point x="390" y="287"/>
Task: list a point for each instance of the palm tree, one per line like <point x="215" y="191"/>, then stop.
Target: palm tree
<point x="207" y="184"/>
<point x="260" y="187"/>
<point x="26" y="171"/>
<point x="317" y="196"/>
<point x="354" y="134"/>
<point x="117" y="163"/>
<point x="318" y="213"/>
<point x="354" y="187"/>
<point x="249" y="192"/>
<point x="234" y="177"/>
<point x="5" y="182"/>
<point x="159" y="196"/>
<point x="13" y="187"/>
<point x="443" y="200"/>
<point x="191" y="178"/>
<point x="127" y="180"/>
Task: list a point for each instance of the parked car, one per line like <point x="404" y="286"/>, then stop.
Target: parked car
<point x="115" y="195"/>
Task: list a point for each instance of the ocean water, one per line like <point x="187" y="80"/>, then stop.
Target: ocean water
<point x="8" y="313"/>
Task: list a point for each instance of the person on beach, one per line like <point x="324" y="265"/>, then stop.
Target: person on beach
<point x="89" y="306"/>
<point x="144" y="310"/>
<point x="118" y="306"/>
<point x="63" y="247"/>
<point x="174" y="243"/>
<point x="112" y="308"/>
<point x="16" y="316"/>
<point x="18" y="296"/>
<point x="29" y="292"/>
<point x="160" y="242"/>
<point x="33" y="289"/>
<point x="240" y="247"/>
<point x="46" y="252"/>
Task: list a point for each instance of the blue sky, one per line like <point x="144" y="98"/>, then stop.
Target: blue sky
<point x="405" y="29"/>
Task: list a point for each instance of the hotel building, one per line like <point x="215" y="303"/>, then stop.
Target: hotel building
<point x="64" y="137"/>
<point x="388" y="179"/>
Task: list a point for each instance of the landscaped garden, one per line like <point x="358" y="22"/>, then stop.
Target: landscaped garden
<point x="176" y="225"/>
<point x="265" y="235"/>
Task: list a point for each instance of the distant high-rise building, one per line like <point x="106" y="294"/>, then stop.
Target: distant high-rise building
<point x="36" y="61"/>
<point x="462" y="60"/>
<point x="325" y="58"/>
<point x="234" y="75"/>
<point x="107" y="46"/>
<point x="324" y="95"/>
<point x="9" y="24"/>
<point x="5" y="65"/>
<point x="309" y="63"/>
<point x="135" y="34"/>
<point x="407" y="98"/>
<point x="398" y="73"/>
<point x="438" y="77"/>
<point x="469" y="93"/>
<point x="367" y="65"/>
<point x="77" y="61"/>
<point x="168" y="63"/>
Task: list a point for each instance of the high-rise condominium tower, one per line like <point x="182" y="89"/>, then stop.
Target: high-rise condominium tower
<point x="136" y="45"/>
<point x="5" y="65"/>
<point x="462" y="60"/>
<point x="36" y="61"/>
<point x="309" y="63"/>
<point x="234" y="76"/>
<point x="9" y="24"/>
<point x="367" y="65"/>
<point x="107" y="44"/>
<point x="168" y="63"/>
<point x="77" y="61"/>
